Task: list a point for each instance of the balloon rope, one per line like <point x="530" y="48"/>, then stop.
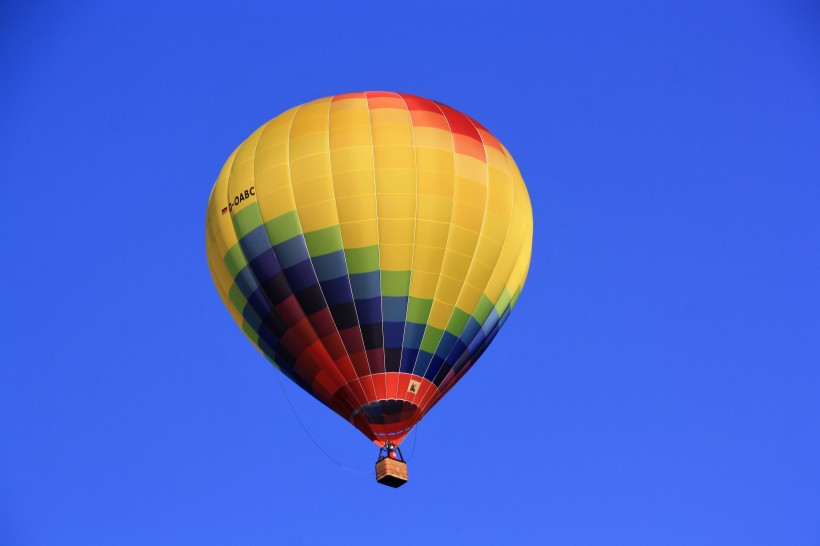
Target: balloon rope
<point x="281" y="386"/>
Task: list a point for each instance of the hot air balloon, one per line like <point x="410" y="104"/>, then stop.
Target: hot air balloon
<point x="371" y="245"/>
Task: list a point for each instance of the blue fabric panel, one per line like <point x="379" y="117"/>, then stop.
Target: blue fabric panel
<point x="445" y="344"/>
<point x="470" y="330"/>
<point x="246" y="282"/>
<point x="412" y="335"/>
<point x="366" y="285"/>
<point x="476" y="342"/>
<point x="422" y="362"/>
<point x="395" y="308"/>
<point x="330" y="266"/>
<point x="292" y="251"/>
<point x="255" y="243"/>
<point x="491" y="321"/>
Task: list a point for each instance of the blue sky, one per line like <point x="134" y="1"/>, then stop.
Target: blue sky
<point x="658" y="382"/>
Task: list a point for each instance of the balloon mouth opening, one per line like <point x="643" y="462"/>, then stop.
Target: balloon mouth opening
<point x="386" y="412"/>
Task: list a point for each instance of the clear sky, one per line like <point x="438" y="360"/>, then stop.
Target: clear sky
<point x="657" y="384"/>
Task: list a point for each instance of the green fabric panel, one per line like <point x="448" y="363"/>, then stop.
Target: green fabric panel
<point x="324" y="241"/>
<point x="247" y="220"/>
<point x="457" y="321"/>
<point x="431" y="338"/>
<point x="418" y="310"/>
<point x="502" y="302"/>
<point x="395" y="283"/>
<point x="235" y="260"/>
<point x="284" y="227"/>
<point x="515" y="297"/>
<point x="250" y="332"/>
<point x="237" y="298"/>
<point x="362" y="260"/>
<point x="483" y="309"/>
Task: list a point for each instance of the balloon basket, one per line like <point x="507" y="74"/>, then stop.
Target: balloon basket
<point x="391" y="472"/>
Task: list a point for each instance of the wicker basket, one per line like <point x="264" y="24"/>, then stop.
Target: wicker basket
<point x="391" y="472"/>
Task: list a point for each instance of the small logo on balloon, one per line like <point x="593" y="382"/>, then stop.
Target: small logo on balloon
<point x="413" y="387"/>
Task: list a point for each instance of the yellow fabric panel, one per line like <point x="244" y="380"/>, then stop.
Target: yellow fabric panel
<point x="398" y="117"/>
<point x="515" y="239"/>
<point x="469" y="202"/>
<point x="401" y="206"/>
<point x="352" y="209"/>
<point x="351" y="160"/>
<point x="436" y="168"/>
<point x="395" y="257"/>
<point x="423" y="283"/>
<point x="500" y="194"/>
<point x="359" y="234"/>
<point x="402" y="182"/>
<point x="519" y="272"/>
<point x="317" y="215"/>
<point x="434" y="139"/>
<point x="274" y="193"/>
<point x="394" y="159"/>
<point x="241" y="175"/>
<point x="220" y="237"/>
<point x="396" y="232"/>
<point x="311" y="175"/>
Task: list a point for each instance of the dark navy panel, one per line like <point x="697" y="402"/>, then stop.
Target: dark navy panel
<point x="330" y="266"/>
<point x="301" y="276"/>
<point x="366" y="285"/>
<point x="255" y="243"/>
<point x="259" y="302"/>
<point x="252" y="318"/>
<point x="292" y="251"/>
<point x="442" y="373"/>
<point x="337" y="291"/>
<point x="433" y="368"/>
<point x="265" y="265"/>
<point x="408" y="358"/>
<point x="456" y="351"/>
<point x="393" y="334"/>
<point x="370" y="310"/>
<point x="268" y="337"/>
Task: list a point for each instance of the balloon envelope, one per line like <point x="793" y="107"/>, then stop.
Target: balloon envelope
<point x="371" y="245"/>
